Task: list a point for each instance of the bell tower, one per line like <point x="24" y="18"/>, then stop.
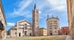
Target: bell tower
<point x="2" y="22"/>
<point x="35" y="19"/>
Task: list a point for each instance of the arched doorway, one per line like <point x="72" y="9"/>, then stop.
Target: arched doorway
<point x="19" y="34"/>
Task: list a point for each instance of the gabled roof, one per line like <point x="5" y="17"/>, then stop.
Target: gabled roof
<point x="23" y="21"/>
<point x="13" y="28"/>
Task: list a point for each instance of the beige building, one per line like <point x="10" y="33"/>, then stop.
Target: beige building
<point x="2" y="23"/>
<point x="22" y="28"/>
<point x="52" y="26"/>
<point x="35" y="24"/>
<point x="42" y="32"/>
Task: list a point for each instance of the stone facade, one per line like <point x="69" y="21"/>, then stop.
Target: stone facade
<point x="52" y="26"/>
<point x="35" y="25"/>
<point x="70" y="6"/>
<point x="22" y="28"/>
<point x="2" y="23"/>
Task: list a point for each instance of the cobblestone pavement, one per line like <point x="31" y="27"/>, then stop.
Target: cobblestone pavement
<point x="68" y="37"/>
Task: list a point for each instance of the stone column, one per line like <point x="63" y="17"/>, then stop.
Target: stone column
<point x="2" y="19"/>
<point x="70" y="5"/>
<point x="0" y="34"/>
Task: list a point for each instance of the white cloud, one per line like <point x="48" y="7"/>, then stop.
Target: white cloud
<point x="10" y="24"/>
<point x="40" y="12"/>
<point x="58" y="4"/>
<point x="52" y="5"/>
<point x="21" y="9"/>
<point x="24" y="4"/>
<point x="41" y="4"/>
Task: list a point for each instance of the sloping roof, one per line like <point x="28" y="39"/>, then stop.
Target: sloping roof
<point x="13" y="28"/>
<point x="24" y="21"/>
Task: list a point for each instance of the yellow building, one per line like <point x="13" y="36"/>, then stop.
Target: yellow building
<point x="43" y="32"/>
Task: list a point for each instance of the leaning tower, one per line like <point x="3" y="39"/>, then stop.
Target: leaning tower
<point x="35" y="25"/>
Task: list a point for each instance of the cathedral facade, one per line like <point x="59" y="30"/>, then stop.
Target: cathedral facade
<point x="21" y="29"/>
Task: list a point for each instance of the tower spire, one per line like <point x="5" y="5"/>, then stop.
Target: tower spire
<point x="35" y="6"/>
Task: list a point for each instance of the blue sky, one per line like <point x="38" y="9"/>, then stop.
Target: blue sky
<point x="16" y="10"/>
